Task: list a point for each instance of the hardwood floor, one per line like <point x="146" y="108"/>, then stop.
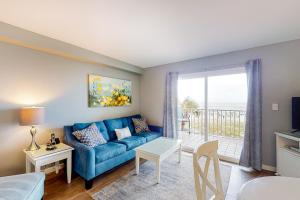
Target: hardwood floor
<point x="56" y="186"/>
<point x="239" y="176"/>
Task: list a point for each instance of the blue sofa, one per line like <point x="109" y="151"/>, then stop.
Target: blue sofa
<point x="90" y="162"/>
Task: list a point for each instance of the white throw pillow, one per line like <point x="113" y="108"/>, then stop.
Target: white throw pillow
<point x="123" y="133"/>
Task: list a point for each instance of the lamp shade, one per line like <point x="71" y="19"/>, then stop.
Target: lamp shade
<point x="30" y="116"/>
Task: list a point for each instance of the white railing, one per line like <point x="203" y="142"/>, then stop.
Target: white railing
<point x="220" y="121"/>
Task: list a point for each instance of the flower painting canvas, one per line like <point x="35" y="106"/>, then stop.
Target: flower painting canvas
<point x="107" y="92"/>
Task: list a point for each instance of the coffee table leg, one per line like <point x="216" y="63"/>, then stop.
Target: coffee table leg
<point x="158" y="170"/>
<point x="137" y="163"/>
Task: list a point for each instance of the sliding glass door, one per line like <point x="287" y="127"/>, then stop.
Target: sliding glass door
<point x="191" y="93"/>
<point x="226" y="99"/>
<point x="212" y="106"/>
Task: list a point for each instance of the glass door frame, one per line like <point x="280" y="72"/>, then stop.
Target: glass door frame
<point x="206" y="75"/>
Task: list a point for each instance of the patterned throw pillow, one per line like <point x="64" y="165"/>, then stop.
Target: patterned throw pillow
<point x="90" y="136"/>
<point x="140" y="125"/>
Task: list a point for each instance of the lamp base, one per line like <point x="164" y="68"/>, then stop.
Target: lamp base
<point x="33" y="146"/>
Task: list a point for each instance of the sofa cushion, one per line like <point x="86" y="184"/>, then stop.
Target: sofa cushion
<point x="130" y="122"/>
<point x="109" y="150"/>
<point x="132" y="141"/>
<point x="100" y="124"/>
<point x="112" y="124"/>
<point x="149" y="135"/>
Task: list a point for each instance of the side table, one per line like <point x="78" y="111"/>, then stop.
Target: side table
<point x="42" y="157"/>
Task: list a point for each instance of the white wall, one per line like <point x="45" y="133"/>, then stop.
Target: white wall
<point x="18" y="36"/>
<point x="29" y="77"/>
<point x="280" y="79"/>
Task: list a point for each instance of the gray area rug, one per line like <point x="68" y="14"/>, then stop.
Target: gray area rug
<point x="176" y="183"/>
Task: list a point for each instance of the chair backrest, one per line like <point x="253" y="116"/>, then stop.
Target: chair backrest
<point x="209" y="151"/>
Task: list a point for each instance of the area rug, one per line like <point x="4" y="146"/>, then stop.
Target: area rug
<point x="176" y="182"/>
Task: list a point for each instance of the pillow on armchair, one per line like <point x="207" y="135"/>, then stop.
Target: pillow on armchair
<point x="90" y="136"/>
<point x="140" y="125"/>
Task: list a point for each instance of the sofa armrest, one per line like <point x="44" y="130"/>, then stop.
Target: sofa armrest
<point x="156" y="129"/>
<point x="84" y="160"/>
<point x="83" y="157"/>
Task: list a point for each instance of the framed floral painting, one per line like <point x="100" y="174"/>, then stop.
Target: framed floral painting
<point x="107" y="92"/>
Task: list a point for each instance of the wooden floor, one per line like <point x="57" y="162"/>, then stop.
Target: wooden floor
<point x="239" y="176"/>
<point x="56" y="186"/>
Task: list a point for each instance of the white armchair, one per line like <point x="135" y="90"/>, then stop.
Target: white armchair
<point x="22" y="187"/>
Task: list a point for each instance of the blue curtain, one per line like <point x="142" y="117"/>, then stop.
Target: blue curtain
<point x="170" y="106"/>
<point x="251" y="155"/>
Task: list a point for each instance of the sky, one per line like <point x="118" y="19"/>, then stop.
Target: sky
<point x="221" y="89"/>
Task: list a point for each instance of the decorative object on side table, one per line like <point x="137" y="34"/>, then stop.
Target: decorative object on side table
<point x="57" y="141"/>
<point x="32" y="116"/>
<point x="51" y="145"/>
<point x="52" y="139"/>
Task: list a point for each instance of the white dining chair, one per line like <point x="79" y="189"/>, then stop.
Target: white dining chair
<point x="209" y="151"/>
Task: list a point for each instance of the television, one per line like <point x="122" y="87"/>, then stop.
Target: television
<point x="296" y="113"/>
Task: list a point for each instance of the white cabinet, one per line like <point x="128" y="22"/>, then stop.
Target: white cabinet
<point x="288" y="160"/>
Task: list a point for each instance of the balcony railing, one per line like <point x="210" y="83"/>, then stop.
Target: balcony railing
<point x="220" y="121"/>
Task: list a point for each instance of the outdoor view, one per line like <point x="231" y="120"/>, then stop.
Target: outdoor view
<point x="226" y="108"/>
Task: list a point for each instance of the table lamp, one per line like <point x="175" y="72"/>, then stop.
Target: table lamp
<point x="32" y="116"/>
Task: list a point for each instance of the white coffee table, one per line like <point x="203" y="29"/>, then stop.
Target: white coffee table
<point x="157" y="151"/>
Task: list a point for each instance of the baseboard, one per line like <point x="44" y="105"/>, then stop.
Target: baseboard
<point x="229" y="159"/>
<point x="269" y="168"/>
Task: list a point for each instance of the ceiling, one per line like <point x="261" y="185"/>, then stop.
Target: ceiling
<point x="148" y="33"/>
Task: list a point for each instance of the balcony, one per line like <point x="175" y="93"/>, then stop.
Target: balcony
<point x="227" y="126"/>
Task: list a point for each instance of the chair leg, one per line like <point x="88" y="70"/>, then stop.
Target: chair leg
<point x="88" y="184"/>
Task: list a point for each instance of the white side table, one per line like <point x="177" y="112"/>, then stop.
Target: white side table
<point x="43" y="157"/>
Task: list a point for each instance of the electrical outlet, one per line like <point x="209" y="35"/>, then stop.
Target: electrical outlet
<point x="275" y="107"/>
